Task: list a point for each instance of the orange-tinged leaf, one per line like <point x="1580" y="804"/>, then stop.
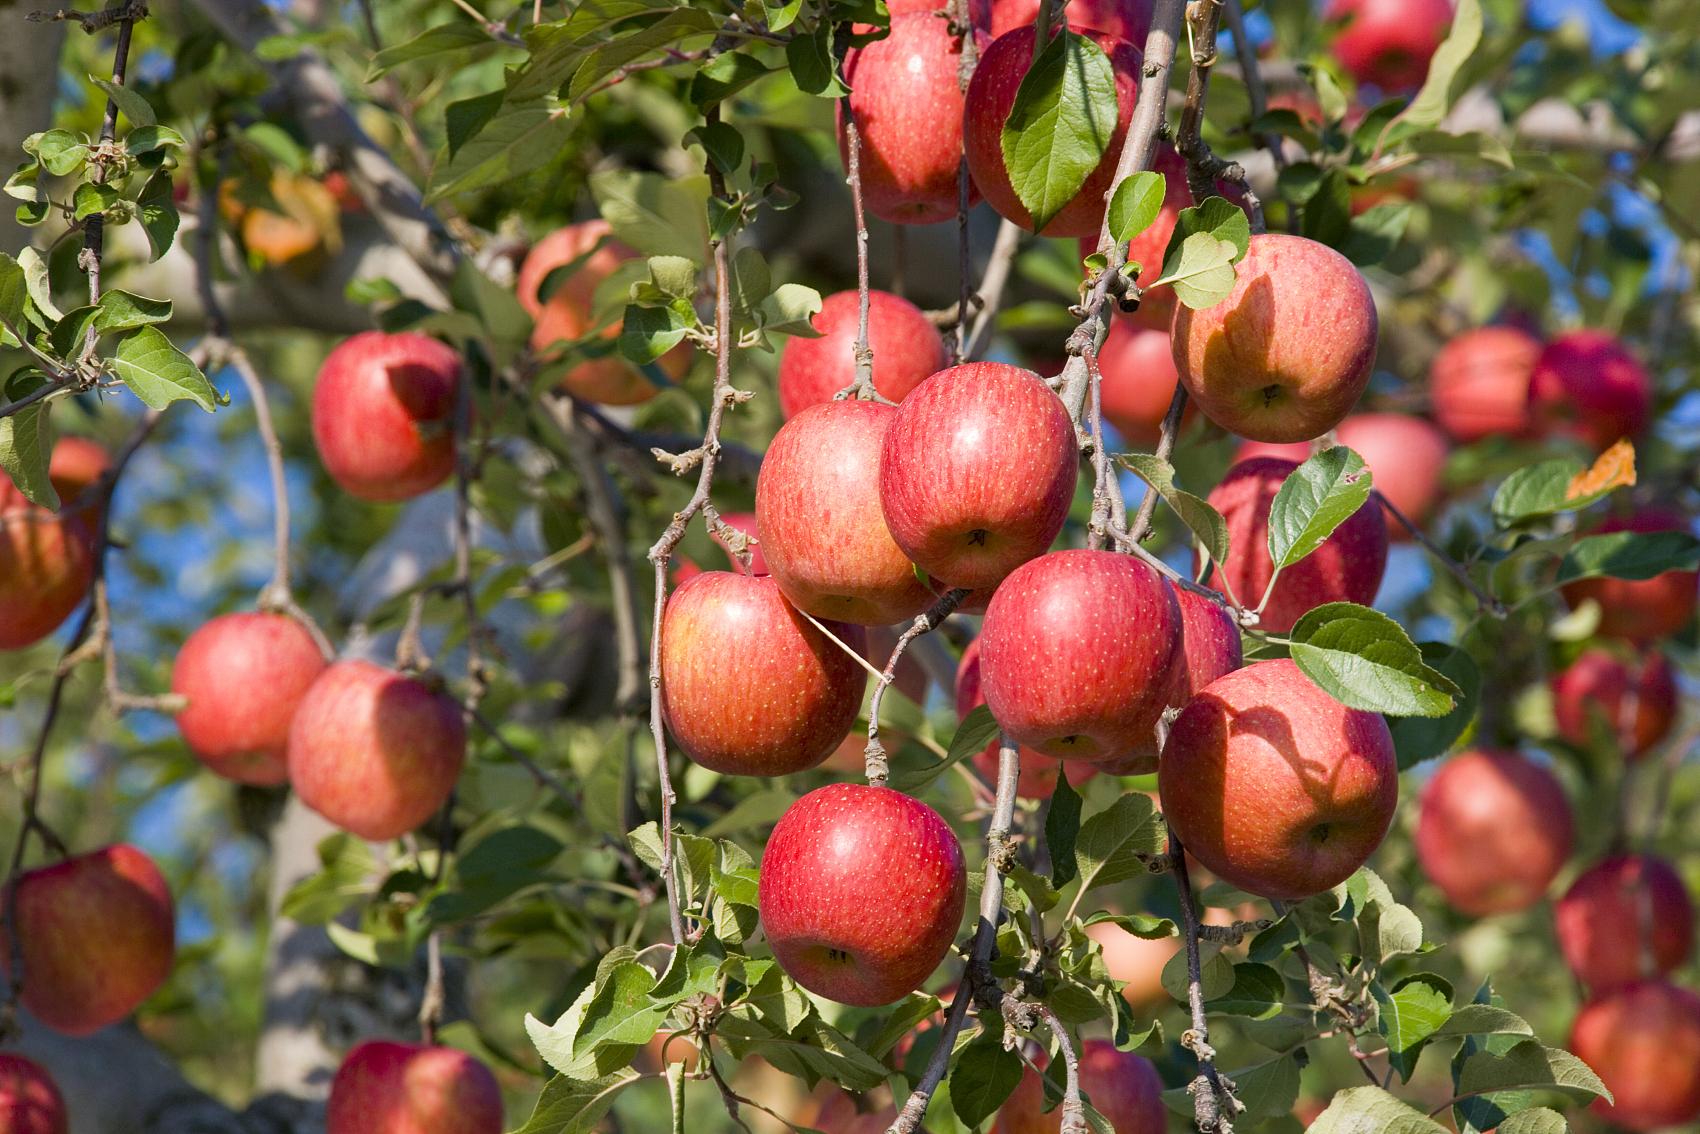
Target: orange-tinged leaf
<point x="1615" y="468"/>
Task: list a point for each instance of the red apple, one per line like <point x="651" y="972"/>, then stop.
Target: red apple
<point x="244" y="675"/>
<point x="1123" y="1087"/>
<point x="1137" y="380"/>
<point x="979" y="11"/>
<point x="383" y="414"/>
<point x="1276" y="787"/>
<point x="1286" y="355"/>
<point x="1641" y="609"/>
<point x="751" y="687"/>
<point x="1406" y="456"/>
<point x="403" y="1088"/>
<point x="96" y="936"/>
<point x="1479" y="383"/>
<point x="76" y="466"/>
<point x="1388" y="43"/>
<point x="1135" y="961"/>
<point x="1346" y="568"/>
<point x="1210" y="644"/>
<point x="746" y="523"/>
<point x="46" y="567"/>
<point x="1293" y="452"/>
<point x="30" y="1102"/>
<point x="1125" y="19"/>
<point x="977" y="472"/>
<point x="1078" y="653"/>
<point x="821" y="528"/>
<point x="1038" y="771"/>
<point x="1588" y="385"/>
<point x="570" y="312"/>
<point x="908" y="105"/>
<point x="991" y="94"/>
<point x="1493" y="830"/>
<point x="838" y="1114"/>
<point x="907" y="348"/>
<point x="1626" y="918"/>
<point x="1643" y="1041"/>
<point x="1635" y="700"/>
<point x="841" y="920"/>
<point x="374" y="751"/>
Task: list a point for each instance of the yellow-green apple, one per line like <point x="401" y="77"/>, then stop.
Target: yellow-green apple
<point x="977" y="472"/>
<point x="46" y="566"/>
<point x="30" y="1102"/>
<point x="841" y="920"/>
<point x="1346" y="568"/>
<point x="1633" y="700"/>
<point x="820" y="523"/>
<point x="1625" y="918"/>
<point x="1587" y="384"/>
<point x="96" y="935"/>
<point x="1275" y="786"/>
<point x="243" y="675"/>
<point x="908" y="106"/>
<point x="1123" y="1087"/>
<point x="1038" y="771"/>
<point x="1210" y="644"/>
<point x="1479" y="383"/>
<point x="374" y="751"/>
<point x="1137" y="380"/>
<point x="1135" y="961"/>
<point x="1286" y="355"/>
<point x="1493" y="831"/>
<point x="1641" y="609"/>
<point x="1077" y="656"/>
<point x="1643" y="1041"/>
<point x="1126" y="19"/>
<point x="907" y="349"/>
<point x="570" y="312"/>
<point x="750" y="686"/>
<point x="991" y="94"/>
<point x="1388" y="43"/>
<point x="383" y="414"/>
<point x="402" y="1088"/>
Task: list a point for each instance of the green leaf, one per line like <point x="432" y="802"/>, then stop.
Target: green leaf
<point x="1062" y="828"/>
<point x="791" y="310"/>
<point x="1410" y="1014"/>
<point x="1434" y="99"/>
<point x="1268" y="1090"/>
<point x="576" y="1106"/>
<point x="1365" y="660"/>
<point x="608" y="58"/>
<point x="977" y="730"/>
<point x="346" y="874"/>
<point x="657" y="215"/>
<point x="132" y="105"/>
<point x="724" y="76"/>
<point x="37" y="282"/>
<point x="1360" y="1110"/>
<point x="757" y="810"/>
<point x="1215" y="973"/>
<point x="1375" y="232"/>
<point x="1200" y="517"/>
<point x="457" y="35"/>
<point x="1416" y="739"/>
<point x="809" y="55"/>
<point x="1257" y="992"/>
<point x="14" y="291"/>
<point x="1217" y="216"/>
<point x="1630" y="555"/>
<point x="60" y="152"/>
<point x="1135" y="204"/>
<point x="1201" y="271"/>
<point x="516" y="140"/>
<point x="1060" y="125"/>
<point x="1484" y="1020"/>
<point x="721" y="141"/>
<point x="147" y="139"/>
<point x="1531" y="1065"/>
<point x="982" y="1079"/>
<point x="647" y="333"/>
<point x="158" y="373"/>
<point x="157" y="212"/>
<point x="1539" y="1120"/>
<point x="1538" y="490"/>
<point x="26" y="445"/>
<point x="901" y="1019"/>
<point x="1328" y="212"/>
<point x="89" y="199"/>
<point x="1317" y="497"/>
<point x="1114" y="843"/>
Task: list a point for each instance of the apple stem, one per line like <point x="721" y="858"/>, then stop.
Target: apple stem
<point x="863" y="387"/>
<point x="1213" y="1100"/>
<point x="874" y="766"/>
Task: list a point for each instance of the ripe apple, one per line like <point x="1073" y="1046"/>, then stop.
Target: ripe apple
<point x="1493" y="830"/>
<point x="570" y="312"/>
<point x="1643" y="1041"/>
<point x="1636" y="699"/>
<point x="1038" y="771"/>
<point x="1626" y="918"/>
<point x="979" y="11"/>
<point x="1137" y="379"/>
<point x="908" y="106"/>
<point x="1346" y="568"/>
<point x="403" y="1088"/>
<point x="96" y="935"/>
<point x="841" y="920"/>
<point x="907" y="348"/>
<point x="1641" y="609"/>
<point x="1479" y="383"/>
<point x="383" y="414"/>
<point x="1276" y="787"/>
<point x="244" y="675"/>
<point x="1388" y="43"/>
<point x="1135" y="961"/>
<point x="76" y="466"/>
<point x="819" y="520"/>
<point x="374" y="751"/>
<point x="1125" y="19"/>
<point x="977" y="472"/>
<point x="1406" y="456"/>
<point x="838" y="1114"/>
<point x="1588" y="385"/>
<point x="30" y="1102"/>
<point x="1294" y="452"/>
<point x="1123" y="1087"/>
<point x="1210" y="644"/>
<point x="46" y="567"/>
<point x="1077" y="656"/>
<point x="751" y="687"/>
<point x="1286" y="355"/>
<point x="991" y="94"/>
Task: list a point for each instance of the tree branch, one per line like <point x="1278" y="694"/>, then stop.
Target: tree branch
<point x="873" y="757"/>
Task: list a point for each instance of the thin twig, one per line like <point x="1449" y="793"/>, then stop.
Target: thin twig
<point x="873" y="757"/>
<point x="1213" y="1101"/>
<point x="863" y="385"/>
<point x="1251" y="73"/>
<point x="1165" y="449"/>
<point x="1485" y="601"/>
<point x="998" y="267"/>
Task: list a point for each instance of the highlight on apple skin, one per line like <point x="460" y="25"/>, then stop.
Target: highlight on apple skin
<point x="1493" y="831"/>
<point x="1276" y="787"/>
<point x="401" y="1088"/>
<point x="1643" y="1041"/>
<point x="383" y="414"/>
<point x="1626" y="917"/>
<point x="907" y="350"/>
<point x="749" y="686"/>
<point x="829" y="852"/>
<point x="1286" y="355"/>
